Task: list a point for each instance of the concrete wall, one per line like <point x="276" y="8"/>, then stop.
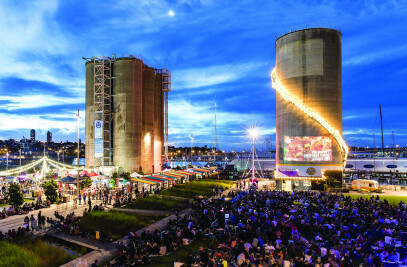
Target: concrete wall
<point x="148" y="120"/>
<point x="158" y="123"/>
<point x="89" y="113"/>
<point x="309" y="64"/>
<point x="127" y="120"/>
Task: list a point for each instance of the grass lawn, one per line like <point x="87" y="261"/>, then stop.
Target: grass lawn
<point x="115" y="224"/>
<point x="155" y="203"/>
<point x="196" y="188"/>
<point x="180" y="254"/>
<point x="32" y="253"/>
<point x="393" y="200"/>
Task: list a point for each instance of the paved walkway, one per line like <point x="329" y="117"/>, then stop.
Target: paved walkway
<point x="15" y="221"/>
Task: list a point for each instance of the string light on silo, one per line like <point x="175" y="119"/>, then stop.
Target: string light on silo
<point x="284" y="93"/>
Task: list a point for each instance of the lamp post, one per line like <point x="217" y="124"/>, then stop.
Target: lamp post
<point x="77" y="162"/>
<point x="7" y="159"/>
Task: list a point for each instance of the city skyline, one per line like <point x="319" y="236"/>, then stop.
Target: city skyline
<point x="210" y="48"/>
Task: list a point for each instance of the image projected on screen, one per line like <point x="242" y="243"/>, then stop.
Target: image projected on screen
<point x="307" y="148"/>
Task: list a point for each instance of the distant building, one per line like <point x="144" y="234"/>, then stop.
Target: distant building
<point x="49" y="137"/>
<point x="32" y="135"/>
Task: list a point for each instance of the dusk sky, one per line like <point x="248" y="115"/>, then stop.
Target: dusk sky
<point x="224" y="47"/>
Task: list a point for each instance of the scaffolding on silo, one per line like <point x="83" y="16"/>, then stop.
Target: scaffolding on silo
<point x="166" y="87"/>
<point x="103" y="107"/>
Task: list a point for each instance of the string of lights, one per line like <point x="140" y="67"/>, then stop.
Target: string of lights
<point x="277" y="85"/>
<point x="43" y="160"/>
<point x="61" y="165"/>
<point x="22" y="168"/>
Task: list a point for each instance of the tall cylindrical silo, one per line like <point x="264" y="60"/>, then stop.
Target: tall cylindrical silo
<point x="127" y="119"/>
<point x="158" y="122"/>
<point x="90" y="109"/>
<point x="309" y="66"/>
<point x="148" y="120"/>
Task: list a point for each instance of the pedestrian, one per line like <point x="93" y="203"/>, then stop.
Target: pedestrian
<point x="105" y="199"/>
<point x="90" y="204"/>
<point x="84" y="197"/>
<point x="39" y="218"/>
<point x="80" y="198"/>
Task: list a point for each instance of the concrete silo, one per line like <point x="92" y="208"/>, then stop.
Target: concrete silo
<point x="309" y="113"/>
<point x="132" y="118"/>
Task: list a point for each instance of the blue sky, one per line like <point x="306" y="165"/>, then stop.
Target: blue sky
<point x="211" y="47"/>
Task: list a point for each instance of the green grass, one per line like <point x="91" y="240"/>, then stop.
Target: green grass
<point x="155" y="203"/>
<point x="115" y="224"/>
<point x="32" y="252"/>
<point x="180" y="254"/>
<point x="393" y="200"/>
<point x="196" y="188"/>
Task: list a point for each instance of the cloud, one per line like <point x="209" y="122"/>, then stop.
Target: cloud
<point x="38" y="122"/>
<point x="214" y="75"/>
<point x="382" y="55"/>
<point x="37" y="101"/>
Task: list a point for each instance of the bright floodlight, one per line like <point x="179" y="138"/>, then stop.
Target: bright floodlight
<point x="171" y="13"/>
<point x="253" y="132"/>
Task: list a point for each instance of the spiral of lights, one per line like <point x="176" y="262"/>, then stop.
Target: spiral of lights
<point x="285" y="94"/>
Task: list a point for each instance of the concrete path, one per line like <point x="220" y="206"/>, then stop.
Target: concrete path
<point x="15" y="221"/>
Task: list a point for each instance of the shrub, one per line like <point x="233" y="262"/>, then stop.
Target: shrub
<point x="85" y="183"/>
<point x="15" y="195"/>
<point x="51" y="190"/>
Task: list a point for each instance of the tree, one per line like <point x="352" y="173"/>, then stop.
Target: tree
<point x="85" y="183"/>
<point x="15" y="196"/>
<point x="331" y="182"/>
<point x="49" y="174"/>
<point x="112" y="182"/>
<point x="190" y="166"/>
<point x="126" y="175"/>
<point x="51" y="190"/>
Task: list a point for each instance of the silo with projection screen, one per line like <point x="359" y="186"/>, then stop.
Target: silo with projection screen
<point x="309" y="67"/>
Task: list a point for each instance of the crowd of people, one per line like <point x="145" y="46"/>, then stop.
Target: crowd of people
<point x="274" y="228"/>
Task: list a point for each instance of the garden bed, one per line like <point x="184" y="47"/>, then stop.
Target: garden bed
<point x="114" y="224"/>
<point x="197" y="188"/>
<point x="156" y="203"/>
<point x="32" y="252"/>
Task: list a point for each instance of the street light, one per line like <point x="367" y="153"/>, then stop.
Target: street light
<point x="77" y="162"/>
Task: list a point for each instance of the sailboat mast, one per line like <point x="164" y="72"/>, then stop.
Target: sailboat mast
<point x="381" y="125"/>
<point x="374" y="154"/>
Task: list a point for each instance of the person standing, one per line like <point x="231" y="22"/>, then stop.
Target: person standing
<point x="90" y="204"/>
<point x="39" y="219"/>
<point x="80" y="198"/>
